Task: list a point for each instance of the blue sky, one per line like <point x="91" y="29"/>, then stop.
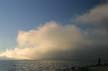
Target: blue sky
<point x="18" y="15"/>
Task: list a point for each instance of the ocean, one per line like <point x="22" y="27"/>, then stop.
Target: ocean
<point x="33" y="65"/>
<point x="40" y="65"/>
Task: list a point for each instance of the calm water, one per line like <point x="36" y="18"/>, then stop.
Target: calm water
<point x="29" y="65"/>
<point x="33" y="65"/>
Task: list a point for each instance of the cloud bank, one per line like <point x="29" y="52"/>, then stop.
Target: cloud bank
<point x="45" y="41"/>
<point x="55" y="41"/>
<point x="98" y="19"/>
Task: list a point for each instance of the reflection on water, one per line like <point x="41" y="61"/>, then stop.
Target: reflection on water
<point x="33" y="65"/>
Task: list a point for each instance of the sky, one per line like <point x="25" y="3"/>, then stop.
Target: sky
<point x="18" y="15"/>
<point x="53" y="29"/>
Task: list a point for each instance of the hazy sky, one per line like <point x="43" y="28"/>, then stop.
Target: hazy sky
<point x="18" y="15"/>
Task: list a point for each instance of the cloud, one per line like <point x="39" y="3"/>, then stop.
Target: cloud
<point x="96" y="22"/>
<point x="45" y="41"/>
<point x="97" y="15"/>
<point x="97" y="29"/>
<point x="55" y="41"/>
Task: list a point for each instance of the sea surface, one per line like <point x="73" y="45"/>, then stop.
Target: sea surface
<point x="34" y="65"/>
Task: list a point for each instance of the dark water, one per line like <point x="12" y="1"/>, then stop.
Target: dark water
<point x="26" y="65"/>
<point x="33" y="65"/>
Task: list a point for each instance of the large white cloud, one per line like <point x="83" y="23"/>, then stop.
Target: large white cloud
<point x="45" y="41"/>
<point x="56" y="41"/>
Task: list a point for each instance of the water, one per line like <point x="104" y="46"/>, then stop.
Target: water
<point x="26" y="65"/>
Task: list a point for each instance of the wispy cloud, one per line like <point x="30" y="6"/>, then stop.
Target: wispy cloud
<point x="97" y="16"/>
